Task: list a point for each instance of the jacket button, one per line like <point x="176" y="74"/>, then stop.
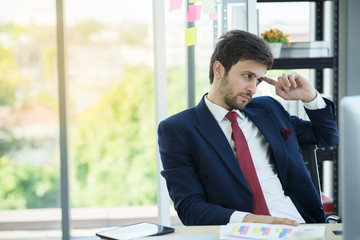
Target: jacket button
<point x="321" y="208"/>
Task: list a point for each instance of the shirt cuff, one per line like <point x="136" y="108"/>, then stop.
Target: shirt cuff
<point x="238" y="216"/>
<point x="317" y="103"/>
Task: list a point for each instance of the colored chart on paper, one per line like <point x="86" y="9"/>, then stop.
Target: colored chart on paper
<point x="283" y="232"/>
<point x="264" y="231"/>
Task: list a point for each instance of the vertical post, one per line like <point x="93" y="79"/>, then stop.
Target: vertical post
<point x="160" y="90"/>
<point x="252" y="18"/>
<point x="190" y="53"/>
<point x="319" y="35"/>
<point x="62" y="91"/>
<point x="224" y="15"/>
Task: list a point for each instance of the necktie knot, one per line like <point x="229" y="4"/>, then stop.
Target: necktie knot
<point x="232" y="116"/>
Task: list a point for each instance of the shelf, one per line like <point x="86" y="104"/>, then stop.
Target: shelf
<point x="302" y="63"/>
<point x="325" y="154"/>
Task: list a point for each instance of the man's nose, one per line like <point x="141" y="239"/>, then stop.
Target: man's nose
<point x="252" y="87"/>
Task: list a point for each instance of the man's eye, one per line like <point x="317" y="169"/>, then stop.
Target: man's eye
<point x="248" y="76"/>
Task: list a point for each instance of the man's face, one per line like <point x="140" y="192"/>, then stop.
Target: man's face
<point x="238" y="86"/>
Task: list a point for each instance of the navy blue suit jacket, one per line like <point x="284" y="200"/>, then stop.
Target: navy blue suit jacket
<point x="202" y="174"/>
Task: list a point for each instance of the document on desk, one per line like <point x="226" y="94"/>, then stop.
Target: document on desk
<point x="264" y="231"/>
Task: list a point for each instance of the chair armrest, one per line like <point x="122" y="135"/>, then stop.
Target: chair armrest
<point x="333" y="219"/>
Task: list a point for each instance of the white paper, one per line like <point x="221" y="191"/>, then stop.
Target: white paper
<point x="132" y="231"/>
<point x="264" y="231"/>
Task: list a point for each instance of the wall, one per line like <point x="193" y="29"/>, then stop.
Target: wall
<point x="349" y="48"/>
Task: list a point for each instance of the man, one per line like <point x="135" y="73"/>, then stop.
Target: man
<point x="203" y="172"/>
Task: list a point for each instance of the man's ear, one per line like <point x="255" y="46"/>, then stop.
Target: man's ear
<point x="218" y="69"/>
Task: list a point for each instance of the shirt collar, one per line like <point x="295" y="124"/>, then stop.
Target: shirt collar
<point x="219" y="112"/>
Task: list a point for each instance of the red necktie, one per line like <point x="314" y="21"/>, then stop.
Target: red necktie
<point x="247" y="165"/>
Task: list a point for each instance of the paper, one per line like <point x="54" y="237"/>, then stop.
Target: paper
<point x="213" y="16"/>
<point x="208" y="6"/>
<point x="190" y="36"/>
<point x="175" y="4"/>
<point x="130" y="232"/>
<point x="194" y="12"/>
<point x="264" y="231"/>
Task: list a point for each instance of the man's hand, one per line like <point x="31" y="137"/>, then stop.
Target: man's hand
<point x="252" y="218"/>
<point x="293" y="87"/>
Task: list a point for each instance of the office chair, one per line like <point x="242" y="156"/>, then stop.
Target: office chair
<point x="308" y="152"/>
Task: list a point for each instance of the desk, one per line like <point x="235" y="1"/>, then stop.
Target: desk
<point x="190" y="230"/>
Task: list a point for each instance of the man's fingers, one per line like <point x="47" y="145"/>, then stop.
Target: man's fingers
<point x="292" y="79"/>
<point x="269" y="220"/>
<point x="284" y="80"/>
<point x="285" y="221"/>
<point x="270" y="80"/>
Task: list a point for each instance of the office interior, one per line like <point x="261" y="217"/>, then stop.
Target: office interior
<point x="84" y="84"/>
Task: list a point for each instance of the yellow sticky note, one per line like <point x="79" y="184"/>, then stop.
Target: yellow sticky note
<point x="190" y="36"/>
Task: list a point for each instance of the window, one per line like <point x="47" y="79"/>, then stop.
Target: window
<point x="29" y="125"/>
<point x="111" y="131"/>
<point x="298" y="26"/>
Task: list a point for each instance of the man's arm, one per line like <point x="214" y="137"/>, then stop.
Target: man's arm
<point x="183" y="180"/>
<point x="323" y="123"/>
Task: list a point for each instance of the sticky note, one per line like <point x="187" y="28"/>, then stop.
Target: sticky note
<point x="213" y="16"/>
<point x="194" y="12"/>
<point x="208" y="6"/>
<point x="190" y="36"/>
<point x="175" y="4"/>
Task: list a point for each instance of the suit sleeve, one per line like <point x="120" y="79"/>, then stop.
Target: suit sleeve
<point x="322" y="128"/>
<point x="183" y="180"/>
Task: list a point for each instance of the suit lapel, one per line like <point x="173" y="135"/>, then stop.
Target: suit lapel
<point x="267" y="125"/>
<point x="212" y="133"/>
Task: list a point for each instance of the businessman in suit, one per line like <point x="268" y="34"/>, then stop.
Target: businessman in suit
<point x="201" y="155"/>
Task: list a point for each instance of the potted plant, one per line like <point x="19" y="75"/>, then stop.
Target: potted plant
<point x="275" y="38"/>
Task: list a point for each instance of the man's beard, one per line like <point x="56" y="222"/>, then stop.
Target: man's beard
<point x="230" y="98"/>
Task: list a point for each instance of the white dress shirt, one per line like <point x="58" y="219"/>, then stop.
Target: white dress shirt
<point x="278" y="203"/>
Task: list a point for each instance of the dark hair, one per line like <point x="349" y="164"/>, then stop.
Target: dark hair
<point x="238" y="45"/>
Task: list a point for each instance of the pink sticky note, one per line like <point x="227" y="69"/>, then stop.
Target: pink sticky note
<point x="194" y="12"/>
<point x="175" y="4"/>
<point x="213" y="16"/>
